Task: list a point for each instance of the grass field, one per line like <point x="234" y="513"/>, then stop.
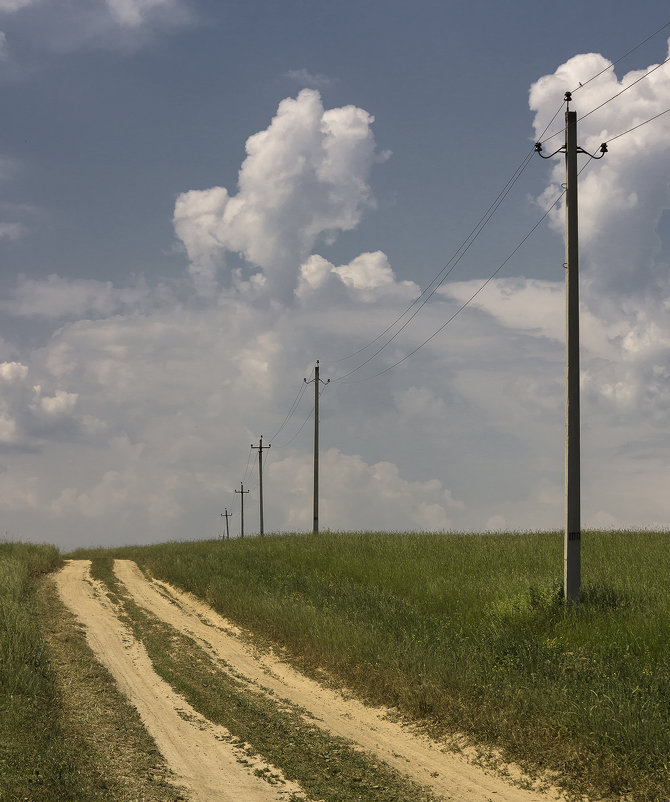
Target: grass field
<point x="469" y="633"/>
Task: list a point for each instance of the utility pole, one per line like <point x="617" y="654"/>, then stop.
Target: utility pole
<point x="241" y="491"/>
<point x="226" y="515"/>
<point x="317" y="381"/>
<point x="572" y="534"/>
<point x="261" y="448"/>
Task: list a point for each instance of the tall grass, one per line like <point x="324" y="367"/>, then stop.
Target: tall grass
<point x="470" y="633"/>
<point x="34" y="763"/>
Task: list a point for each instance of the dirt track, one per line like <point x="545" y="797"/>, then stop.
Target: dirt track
<point x="198" y="751"/>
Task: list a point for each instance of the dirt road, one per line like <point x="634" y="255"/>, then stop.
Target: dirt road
<point x="199" y="752"/>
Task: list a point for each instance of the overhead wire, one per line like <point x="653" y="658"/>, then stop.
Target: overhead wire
<point x="444" y="273"/>
<point x="635" y="127"/>
<point x="609" y="100"/>
<point x="303" y="424"/>
<point x="482" y="286"/>
<point x="292" y="409"/>
<point x="244" y="475"/>
<point x="621" y="58"/>
<point x="456" y="257"/>
<point x="625" y="89"/>
<point x="473" y="296"/>
<point x="439" y="279"/>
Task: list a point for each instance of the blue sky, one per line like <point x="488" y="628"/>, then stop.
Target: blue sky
<point x="140" y="356"/>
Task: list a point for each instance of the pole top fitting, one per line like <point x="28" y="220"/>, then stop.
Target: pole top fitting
<point x="567" y="97"/>
<point x="538" y="147"/>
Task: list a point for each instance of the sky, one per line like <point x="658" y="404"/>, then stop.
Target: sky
<point x="200" y="199"/>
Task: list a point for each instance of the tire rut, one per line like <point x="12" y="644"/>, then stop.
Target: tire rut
<point x="424" y="760"/>
<point x="198" y="752"/>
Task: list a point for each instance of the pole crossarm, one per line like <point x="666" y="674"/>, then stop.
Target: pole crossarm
<point x="602" y="151"/>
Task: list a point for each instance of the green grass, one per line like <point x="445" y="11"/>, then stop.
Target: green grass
<point x="32" y="756"/>
<point x="470" y="634"/>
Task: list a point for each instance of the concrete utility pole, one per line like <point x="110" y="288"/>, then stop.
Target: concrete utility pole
<point x="572" y="535"/>
<point x="317" y="381"/>
<point x="241" y="491"/>
<point x="226" y="515"/>
<point x="261" y="448"/>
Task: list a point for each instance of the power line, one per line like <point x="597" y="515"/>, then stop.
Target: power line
<point x="442" y="275"/>
<point x="618" y="94"/>
<point x="609" y="100"/>
<point x="303" y="424"/>
<point x="455" y="259"/>
<point x="244" y="476"/>
<point x="471" y="298"/>
<point x="635" y="127"/>
<point x="292" y="409"/>
<point x="621" y="58"/>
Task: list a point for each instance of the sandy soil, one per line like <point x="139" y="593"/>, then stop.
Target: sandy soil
<point x="428" y="762"/>
<point x="199" y="753"/>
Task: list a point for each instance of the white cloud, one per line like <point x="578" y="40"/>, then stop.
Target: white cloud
<point x="628" y="187"/>
<point x="12" y="372"/>
<point x="304" y="177"/>
<point x="59" y="405"/>
<point x="151" y="399"/>
<point x="367" y="278"/>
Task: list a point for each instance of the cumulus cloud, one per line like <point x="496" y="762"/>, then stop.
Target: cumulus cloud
<point x="367" y="278"/>
<point x="626" y="188"/>
<point x="151" y="400"/>
<point x="13" y="372"/>
<point x="304" y="177"/>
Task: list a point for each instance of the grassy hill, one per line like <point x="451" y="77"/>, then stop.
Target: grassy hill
<point x="469" y="633"/>
<point x="466" y="633"/>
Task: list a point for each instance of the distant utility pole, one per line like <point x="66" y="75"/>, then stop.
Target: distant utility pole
<point x="572" y="536"/>
<point x="261" y="448"/>
<point x="317" y="381"/>
<point x="226" y="515"/>
<point x="241" y="491"/>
